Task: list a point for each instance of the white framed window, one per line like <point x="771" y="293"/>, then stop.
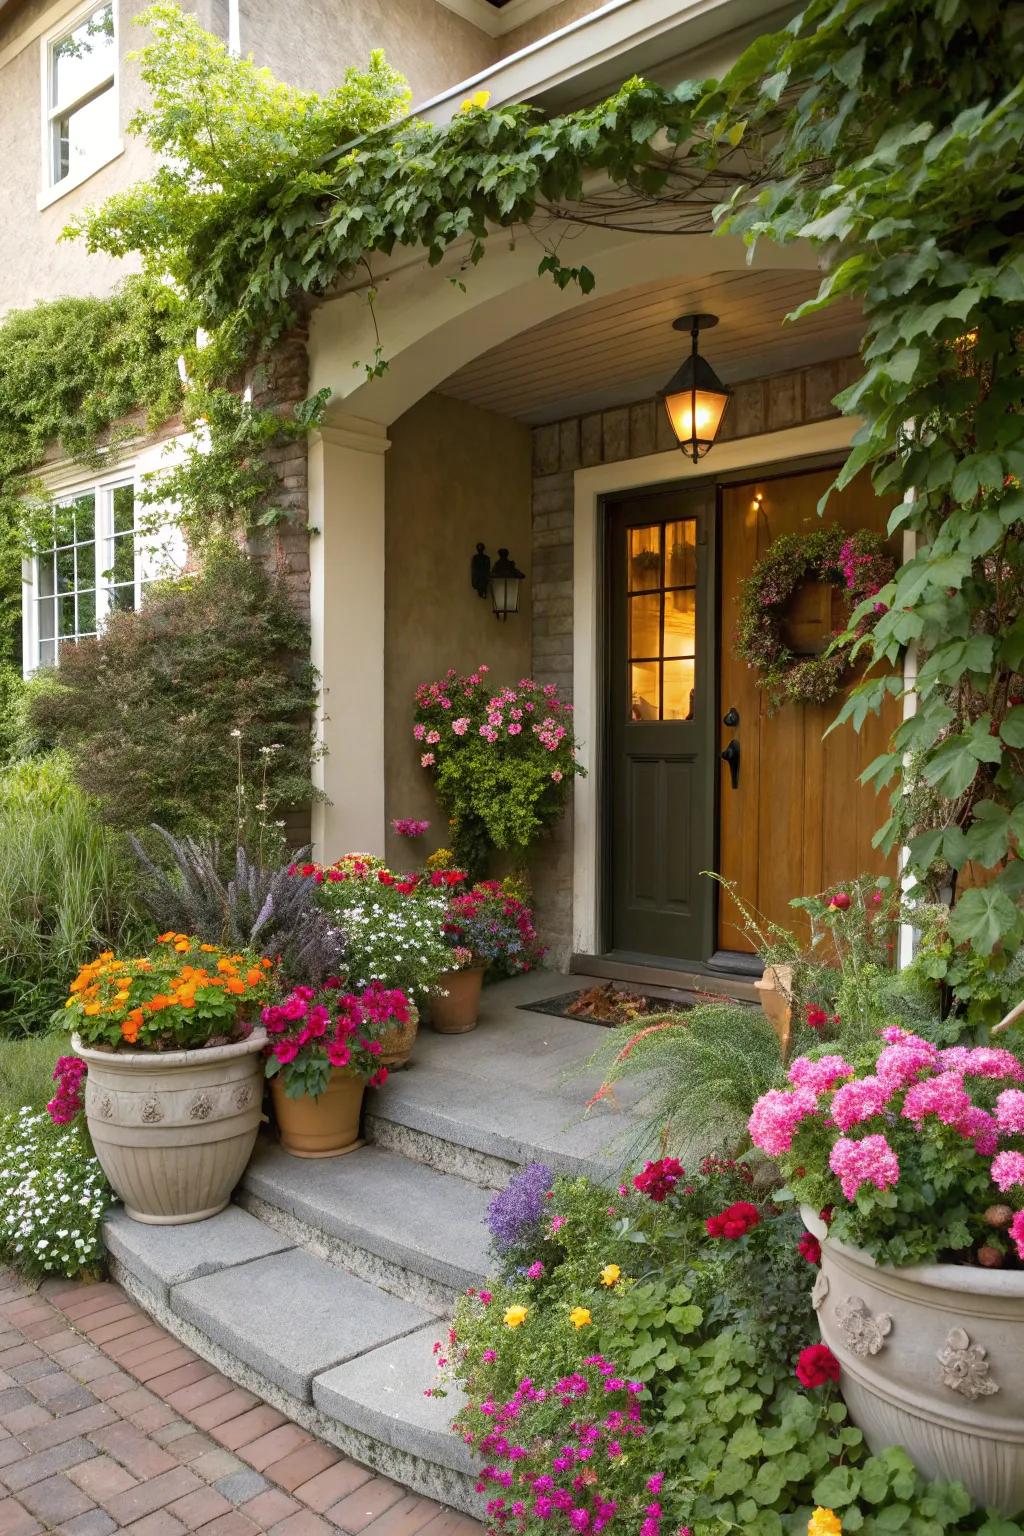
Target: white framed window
<point x="80" y="98"/>
<point x="105" y="549"/>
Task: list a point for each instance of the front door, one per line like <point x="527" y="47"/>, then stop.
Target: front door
<point x="797" y="820"/>
<point x="660" y="725"/>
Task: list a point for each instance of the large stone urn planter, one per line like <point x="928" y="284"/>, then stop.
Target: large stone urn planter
<point x="173" y="1130"/>
<point x="932" y="1359"/>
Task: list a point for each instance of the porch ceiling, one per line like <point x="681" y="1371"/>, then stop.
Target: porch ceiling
<point x="620" y="347"/>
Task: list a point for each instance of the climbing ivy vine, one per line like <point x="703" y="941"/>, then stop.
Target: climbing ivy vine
<point x="885" y="132"/>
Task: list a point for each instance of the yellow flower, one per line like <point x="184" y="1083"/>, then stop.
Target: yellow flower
<point x="478" y="99"/>
<point x="516" y="1316"/>
<point x="824" y="1523"/>
<point x="610" y="1274"/>
<point x="579" y="1317"/>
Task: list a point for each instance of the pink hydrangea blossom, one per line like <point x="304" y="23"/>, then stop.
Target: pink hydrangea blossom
<point x="1010" y="1111"/>
<point x="1017" y="1233"/>
<point x="821" y="1075"/>
<point x="1008" y="1169"/>
<point x="871" y="1161"/>
<point x="944" y="1096"/>
<point x="860" y="1100"/>
<point x="776" y="1115"/>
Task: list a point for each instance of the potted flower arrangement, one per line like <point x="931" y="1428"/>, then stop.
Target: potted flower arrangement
<point x="489" y="929"/>
<point x="914" y="1155"/>
<point x="173" y="1093"/>
<point x="324" y="1046"/>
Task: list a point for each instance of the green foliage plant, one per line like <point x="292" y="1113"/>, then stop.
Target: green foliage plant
<point x="67" y="888"/>
<point x="166" y="712"/>
<point x="53" y="1196"/>
<point x="26" y="1070"/>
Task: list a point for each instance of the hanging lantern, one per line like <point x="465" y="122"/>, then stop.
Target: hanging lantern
<point x="695" y="397"/>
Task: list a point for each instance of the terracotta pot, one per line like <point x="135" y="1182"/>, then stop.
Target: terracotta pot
<point x="932" y="1359"/>
<point x="775" y="990"/>
<point x="324" y="1127"/>
<point x="397" y="1044"/>
<point x="454" y="1008"/>
<point x="173" y="1130"/>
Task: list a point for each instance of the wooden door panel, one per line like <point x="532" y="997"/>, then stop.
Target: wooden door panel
<point x="799" y="820"/>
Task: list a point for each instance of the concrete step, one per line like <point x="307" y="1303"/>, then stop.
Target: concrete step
<point x="405" y="1227"/>
<point x="276" y="1319"/>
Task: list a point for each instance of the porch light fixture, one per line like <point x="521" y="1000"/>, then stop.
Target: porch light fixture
<point x="695" y="397"/>
<point x="502" y="580"/>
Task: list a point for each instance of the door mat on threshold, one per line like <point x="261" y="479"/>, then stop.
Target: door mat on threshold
<point x="608" y="1006"/>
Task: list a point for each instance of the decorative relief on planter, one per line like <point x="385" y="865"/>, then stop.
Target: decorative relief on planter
<point x="965" y="1368"/>
<point x="201" y="1107"/>
<point x="243" y="1096"/>
<point x="819" y="1291"/>
<point x="862" y="1332"/>
<point x="151" y="1112"/>
<point x="106" y="1106"/>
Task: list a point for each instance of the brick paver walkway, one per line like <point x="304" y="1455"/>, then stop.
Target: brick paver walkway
<point x="107" y="1423"/>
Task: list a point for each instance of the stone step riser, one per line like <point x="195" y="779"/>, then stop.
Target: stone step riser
<point x="479" y="1168"/>
<point x="396" y="1279"/>
<point x="445" y="1484"/>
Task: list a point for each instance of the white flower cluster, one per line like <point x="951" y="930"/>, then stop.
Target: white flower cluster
<point x="400" y="946"/>
<point x="52" y="1195"/>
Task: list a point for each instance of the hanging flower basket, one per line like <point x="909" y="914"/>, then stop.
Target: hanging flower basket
<point x="856" y="564"/>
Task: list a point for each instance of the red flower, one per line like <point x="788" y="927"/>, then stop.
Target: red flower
<point x="735" y="1221"/>
<point x="840" y="901"/>
<point x="658" y="1179"/>
<point x="809" y="1248"/>
<point x="816" y="1017"/>
<point x="816" y="1365"/>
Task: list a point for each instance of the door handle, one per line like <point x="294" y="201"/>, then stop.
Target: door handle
<point x="731" y="755"/>
<point x="731" y="717"/>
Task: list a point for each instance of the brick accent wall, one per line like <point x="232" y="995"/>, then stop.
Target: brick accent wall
<point x="770" y="404"/>
<point x="282" y="381"/>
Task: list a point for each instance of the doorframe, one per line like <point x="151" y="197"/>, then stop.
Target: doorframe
<point x="591" y="487"/>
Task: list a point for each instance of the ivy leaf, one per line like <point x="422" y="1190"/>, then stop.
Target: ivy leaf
<point x="981" y="918"/>
<point x="988" y="836"/>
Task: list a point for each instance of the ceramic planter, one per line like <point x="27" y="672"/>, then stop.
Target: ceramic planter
<point x="775" y="990"/>
<point x="454" y="1009"/>
<point x="932" y="1359"/>
<point x="173" y="1130"/>
<point x="327" y="1126"/>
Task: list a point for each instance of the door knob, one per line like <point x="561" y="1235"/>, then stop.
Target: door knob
<point x="731" y="755"/>
<point x="731" y="717"/>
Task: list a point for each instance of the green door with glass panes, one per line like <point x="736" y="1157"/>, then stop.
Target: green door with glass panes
<point x="660" y="712"/>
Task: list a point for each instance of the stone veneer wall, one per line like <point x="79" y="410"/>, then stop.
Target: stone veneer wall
<point x="603" y="437"/>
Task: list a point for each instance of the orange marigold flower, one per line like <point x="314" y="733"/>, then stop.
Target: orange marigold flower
<point x="187" y="999"/>
<point x="253" y="976"/>
<point x="165" y="938"/>
<point x="182" y="946"/>
<point x="130" y="1031"/>
<point x="236" y="986"/>
<point x="208" y="949"/>
<point x="92" y="1009"/>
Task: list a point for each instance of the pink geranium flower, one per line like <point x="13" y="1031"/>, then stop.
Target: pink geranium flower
<point x="871" y="1161"/>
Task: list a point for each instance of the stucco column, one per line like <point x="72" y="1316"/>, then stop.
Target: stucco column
<point x="346" y="517"/>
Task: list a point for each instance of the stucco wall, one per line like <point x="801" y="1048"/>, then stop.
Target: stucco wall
<point x="455" y="474"/>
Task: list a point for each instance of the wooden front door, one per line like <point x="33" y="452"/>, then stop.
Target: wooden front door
<point x="660" y="723"/>
<point x="798" y="820"/>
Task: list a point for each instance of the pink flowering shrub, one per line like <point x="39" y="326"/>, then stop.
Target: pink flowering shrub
<point x="912" y="1147"/>
<point x="69" y="1100"/>
<point x="503" y="758"/>
<point x="497" y="926"/>
<point x="312" y="1032"/>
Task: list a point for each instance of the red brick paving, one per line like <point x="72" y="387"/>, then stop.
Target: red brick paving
<point x="108" y="1424"/>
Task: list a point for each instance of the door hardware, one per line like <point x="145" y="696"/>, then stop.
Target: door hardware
<point x="731" y="717"/>
<point x="731" y="755"/>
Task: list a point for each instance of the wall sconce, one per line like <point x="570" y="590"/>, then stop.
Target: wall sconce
<point x="695" y="397"/>
<point x="500" y="581"/>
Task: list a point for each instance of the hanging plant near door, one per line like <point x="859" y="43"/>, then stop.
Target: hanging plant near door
<point x="857" y="564"/>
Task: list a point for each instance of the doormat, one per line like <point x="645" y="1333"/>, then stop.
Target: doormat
<point x="608" y="1006"/>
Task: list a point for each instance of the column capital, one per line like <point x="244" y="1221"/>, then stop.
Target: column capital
<point x="353" y="432"/>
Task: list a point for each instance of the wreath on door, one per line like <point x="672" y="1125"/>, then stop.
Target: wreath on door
<point x="858" y="564"/>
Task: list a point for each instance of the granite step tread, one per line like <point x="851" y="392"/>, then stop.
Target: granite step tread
<point x="383" y="1394"/>
<point x="291" y="1316"/>
<point x="163" y="1257"/>
<point x="407" y="1214"/>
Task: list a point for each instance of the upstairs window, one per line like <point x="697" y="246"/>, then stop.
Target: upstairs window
<point x="80" y="66"/>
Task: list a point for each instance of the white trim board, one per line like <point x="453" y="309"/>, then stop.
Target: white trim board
<point x="497" y="20"/>
<point x="589" y="486"/>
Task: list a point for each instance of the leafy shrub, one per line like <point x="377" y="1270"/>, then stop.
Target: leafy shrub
<point x="172" y="711"/>
<point x="52" y="1196"/>
<point x="266" y="908"/>
<point x="66" y="889"/>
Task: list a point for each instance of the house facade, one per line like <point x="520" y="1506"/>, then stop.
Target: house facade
<point x="521" y="416"/>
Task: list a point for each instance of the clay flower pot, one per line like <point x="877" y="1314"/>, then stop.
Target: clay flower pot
<point x="327" y="1126"/>
<point x="932" y="1359"/>
<point x="775" y="990"/>
<point x="455" y="1008"/>
<point x="173" y="1130"/>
